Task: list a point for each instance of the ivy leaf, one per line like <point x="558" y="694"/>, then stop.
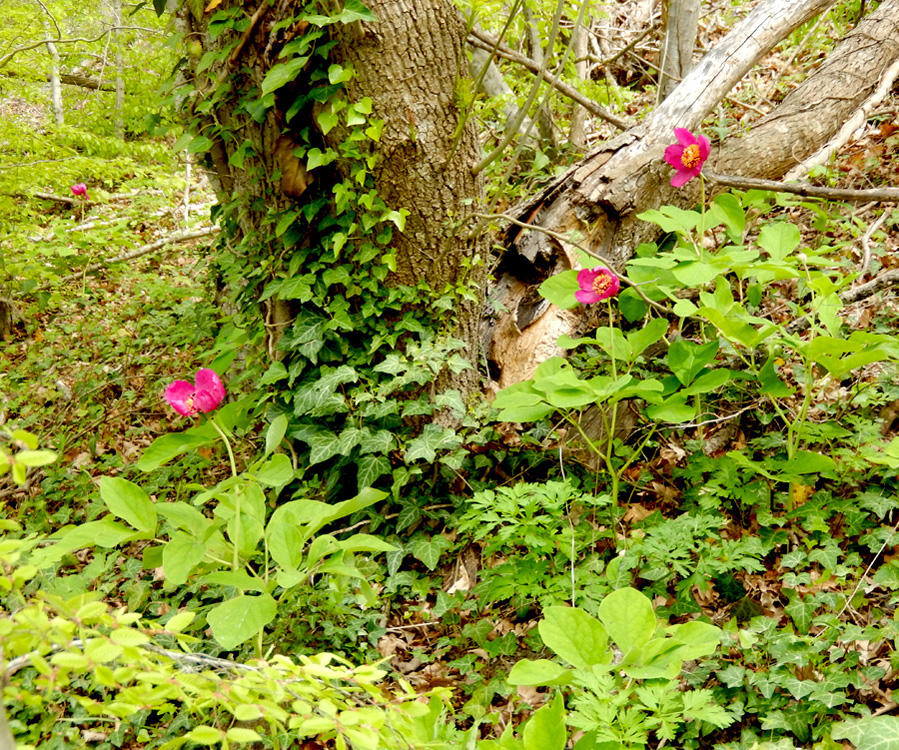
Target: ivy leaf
<point x="371" y="468"/>
<point x="869" y="733"/>
<point x="432" y="439"/>
<point x="381" y="441"/>
<point x="408" y="515"/>
<point x="323" y="447"/>
<point x="429" y="550"/>
<point x="354" y="10"/>
<point x="282" y="74"/>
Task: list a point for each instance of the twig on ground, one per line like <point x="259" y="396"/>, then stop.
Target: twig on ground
<point x="141" y="251"/>
<point x="866" y="241"/>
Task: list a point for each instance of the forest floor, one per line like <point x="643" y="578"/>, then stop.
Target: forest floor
<point x="89" y="359"/>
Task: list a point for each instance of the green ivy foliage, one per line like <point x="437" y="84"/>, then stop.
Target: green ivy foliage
<point x="359" y="363"/>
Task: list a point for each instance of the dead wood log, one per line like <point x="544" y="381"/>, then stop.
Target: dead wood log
<point x="597" y="200"/>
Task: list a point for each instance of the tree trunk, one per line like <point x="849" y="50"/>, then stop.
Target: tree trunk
<point x="53" y="76"/>
<point x="681" y="24"/>
<point x="408" y="62"/>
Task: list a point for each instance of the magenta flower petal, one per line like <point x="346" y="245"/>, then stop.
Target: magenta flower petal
<point x="204" y="395"/>
<point x="596" y="284"/>
<point x="687" y="156"/>
<point x="684" y="137"/>
<point x="180" y="395"/>
<point x="79" y="189"/>
<point x="210" y="390"/>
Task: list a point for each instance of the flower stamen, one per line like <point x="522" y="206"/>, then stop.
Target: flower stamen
<point x="691" y="156"/>
<point x="601" y="284"/>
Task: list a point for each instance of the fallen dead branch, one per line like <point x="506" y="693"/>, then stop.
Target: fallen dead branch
<point x="173" y="239"/>
<point x="880" y="195"/>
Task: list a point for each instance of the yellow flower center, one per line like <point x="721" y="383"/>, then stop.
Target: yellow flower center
<point x="602" y="283"/>
<point x="691" y="156"/>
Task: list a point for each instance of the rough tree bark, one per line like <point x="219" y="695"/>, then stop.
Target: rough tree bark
<point x="598" y="199"/>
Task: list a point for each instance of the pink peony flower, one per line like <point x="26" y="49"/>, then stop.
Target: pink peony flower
<point x="687" y="155"/>
<point x="79" y="190"/>
<point x="596" y="284"/>
<point x="204" y="395"/>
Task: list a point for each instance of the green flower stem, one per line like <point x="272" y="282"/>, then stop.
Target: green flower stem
<point x="235" y="558"/>
<point x="227" y="442"/>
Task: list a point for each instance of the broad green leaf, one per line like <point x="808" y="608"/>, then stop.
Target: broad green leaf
<point x="240" y="618"/>
<point x="322" y="545"/>
<point x="129" y="502"/>
<point x="560" y="288"/>
<point x="180" y="556"/>
<point x="628" y="618"/>
<point x="521" y="403"/>
<point x="546" y="730"/>
<point x="276" y="431"/>
<point x="674" y="409"/>
<point x="779" y="239"/>
<point x="276" y="472"/>
<point x="695" y="273"/>
<point x="672" y="219"/>
<point x="242" y="734"/>
<point x="366" y="543"/>
<point x="642" y="338"/>
<point x="205" y="735"/>
<point x="246" y="527"/>
<point x="709" y="381"/>
<point x="575" y="636"/>
<point x="697" y="638"/>
<point x="732" y="214"/>
<point x="177" y="622"/>
<point x="771" y="384"/>
<point x="165" y="448"/>
<point x="238" y="579"/>
<point x="613" y="343"/>
<point x="103" y="533"/>
<point x="35" y="458"/>
<point x="686" y="359"/>
<point x="538" y="672"/>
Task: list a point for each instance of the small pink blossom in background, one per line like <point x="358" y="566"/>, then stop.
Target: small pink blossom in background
<point x="596" y="285"/>
<point x="204" y="394"/>
<point x="79" y="190"/>
<point x="687" y="155"/>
